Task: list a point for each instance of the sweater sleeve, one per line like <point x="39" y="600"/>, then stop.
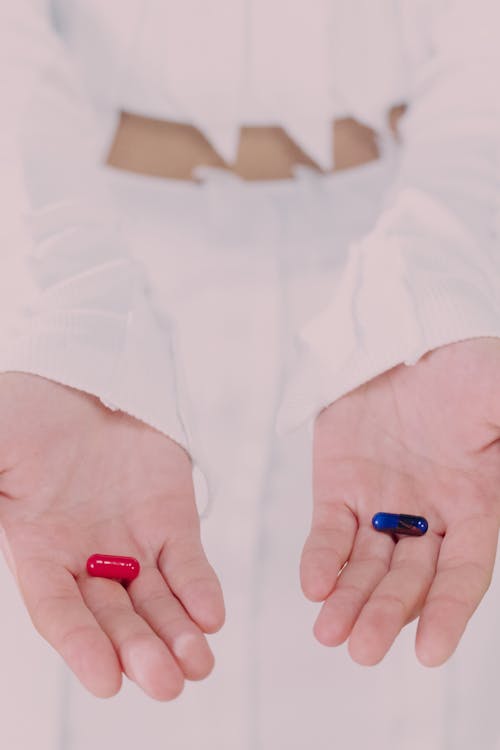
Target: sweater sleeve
<point x="90" y="323"/>
<point x="428" y="273"/>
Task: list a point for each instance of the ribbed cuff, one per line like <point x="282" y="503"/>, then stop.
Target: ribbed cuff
<point x="124" y="360"/>
<point x="381" y="316"/>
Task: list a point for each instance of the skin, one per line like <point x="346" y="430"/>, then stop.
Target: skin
<point x="75" y="479"/>
<point x="423" y="440"/>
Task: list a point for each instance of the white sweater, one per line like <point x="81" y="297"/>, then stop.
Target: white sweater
<point x="428" y="274"/>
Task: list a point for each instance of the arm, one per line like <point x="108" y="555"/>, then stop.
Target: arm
<point x="422" y="439"/>
<point x="91" y="326"/>
<point x="77" y="478"/>
<point x="428" y="274"/>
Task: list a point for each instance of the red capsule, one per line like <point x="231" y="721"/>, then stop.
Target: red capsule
<point x="113" y="566"/>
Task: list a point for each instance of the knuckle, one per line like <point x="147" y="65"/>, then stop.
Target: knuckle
<point x="390" y="601"/>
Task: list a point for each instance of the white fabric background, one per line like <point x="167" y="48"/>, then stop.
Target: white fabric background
<point x="234" y="269"/>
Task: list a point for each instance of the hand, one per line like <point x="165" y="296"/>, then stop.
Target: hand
<point x="423" y="440"/>
<point x="75" y="479"/>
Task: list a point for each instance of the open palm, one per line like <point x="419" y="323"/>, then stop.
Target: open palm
<point x="75" y="479"/>
<point x="423" y="440"/>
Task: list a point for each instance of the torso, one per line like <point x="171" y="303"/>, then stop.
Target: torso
<point x="172" y="150"/>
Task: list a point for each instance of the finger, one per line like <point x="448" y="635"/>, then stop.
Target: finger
<point x="155" y="603"/>
<point x="326" y="548"/>
<point x="192" y="579"/>
<point x="464" y="571"/>
<point x="60" y="615"/>
<point x="367" y="565"/>
<point x="144" y="657"/>
<point x="396" y="600"/>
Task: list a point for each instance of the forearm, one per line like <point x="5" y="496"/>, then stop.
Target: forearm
<point x="91" y="326"/>
<point x="428" y="273"/>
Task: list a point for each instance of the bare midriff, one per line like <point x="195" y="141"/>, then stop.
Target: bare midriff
<point x="173" y="150"/>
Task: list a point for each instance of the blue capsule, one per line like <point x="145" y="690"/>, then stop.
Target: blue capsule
<point x="400" y="523"/>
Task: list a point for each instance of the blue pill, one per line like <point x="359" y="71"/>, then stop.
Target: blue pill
<point x="400" y="523"/>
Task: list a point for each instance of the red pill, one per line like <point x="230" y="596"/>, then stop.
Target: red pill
<point x="113" y="566"/>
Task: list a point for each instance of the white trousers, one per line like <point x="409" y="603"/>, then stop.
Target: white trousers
<point x="235" y="268"/>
